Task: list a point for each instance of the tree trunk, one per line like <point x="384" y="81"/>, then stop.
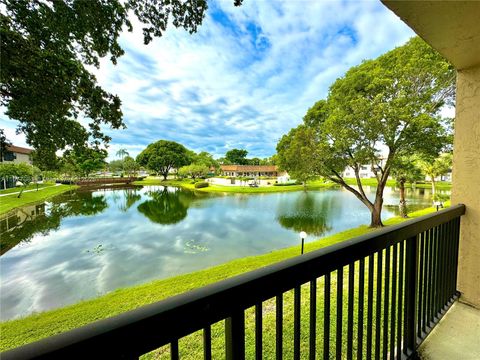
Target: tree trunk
<point x="433" y="188"/>
<point x="376" y="215"/>
<point x="403" y="203"/>
<point x="165" y="176"/>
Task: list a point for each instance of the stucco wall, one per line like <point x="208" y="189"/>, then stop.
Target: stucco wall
<point x="466" y="181"/>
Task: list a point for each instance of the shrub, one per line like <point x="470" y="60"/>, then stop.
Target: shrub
<point x="200" y="185"/>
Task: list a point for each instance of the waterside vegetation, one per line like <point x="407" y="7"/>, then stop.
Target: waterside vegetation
<point x="10" y="202"/>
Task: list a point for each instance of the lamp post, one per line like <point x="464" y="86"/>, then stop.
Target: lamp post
<point x="303" y="235"/>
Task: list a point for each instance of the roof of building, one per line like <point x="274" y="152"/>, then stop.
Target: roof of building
<point x="261" y="168"/>
<point x="19" y="150"/>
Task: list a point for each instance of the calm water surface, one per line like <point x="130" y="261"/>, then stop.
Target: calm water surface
<point x="86" y="243"/>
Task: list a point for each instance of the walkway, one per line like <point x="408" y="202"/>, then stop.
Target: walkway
<point x="24" y="191"/>
<point x="456" y="337"/>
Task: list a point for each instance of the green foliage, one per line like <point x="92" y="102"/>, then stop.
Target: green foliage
<point x="204" y="158"/>
<point x="434" y="167"/>
<point x="4" y="143"/>
<point x="236" y="156"/>
<point x="12" y="201"/>
<point x="115" y="165"/>
<point x="162" y="156"/>
<point x="296" y="153"/>
<point x="45" y="47"/>
<point x="392" y="101"/>
<point x="83" y="161"/>
<point x="130" y="166"/>
<point x="23" y="172"/>
<point x="200" y="185"/>
<point x="405" y="170"/>
<point x="193" y="171"/>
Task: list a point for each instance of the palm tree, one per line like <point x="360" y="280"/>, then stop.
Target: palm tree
<point x="122" y="153"/>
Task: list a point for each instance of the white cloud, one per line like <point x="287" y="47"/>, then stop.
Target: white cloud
<point x="247" y="76"/>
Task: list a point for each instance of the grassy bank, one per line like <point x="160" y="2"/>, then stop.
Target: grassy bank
<point x="313" y="185"/>
<point x="441" y="185"/>
<point x="10" y="202"/>
<point x="37" y="326"/>
<point x="186" y="184"/>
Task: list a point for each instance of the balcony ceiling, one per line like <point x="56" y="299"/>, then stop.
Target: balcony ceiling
<point x="451" y="27"/>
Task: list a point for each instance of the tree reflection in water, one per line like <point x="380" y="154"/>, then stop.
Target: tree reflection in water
<point x="167" y="206"/>
<point x="22" y="224"/>
<point x="307" y="213"/>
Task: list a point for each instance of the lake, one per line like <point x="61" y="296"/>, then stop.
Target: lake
<point x="86" y="243"/>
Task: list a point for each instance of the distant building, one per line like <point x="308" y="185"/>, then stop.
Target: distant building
<point x="249" y="170"/>
<point x="16" y="155"/>
<point x="365" y="171"/>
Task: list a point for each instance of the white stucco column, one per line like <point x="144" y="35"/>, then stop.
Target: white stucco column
<point x="466" y="181"/>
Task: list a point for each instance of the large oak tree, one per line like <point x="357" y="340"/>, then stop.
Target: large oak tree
<point x="389" y="106"/>
<point x="163" y="156"/>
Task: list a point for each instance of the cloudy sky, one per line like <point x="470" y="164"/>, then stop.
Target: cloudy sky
<point x="245" y="78"/>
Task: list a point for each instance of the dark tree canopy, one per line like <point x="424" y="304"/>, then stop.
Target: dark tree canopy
<point x="4" y="143"/>
<point x="163" y="155"/>
<point x="237" y="156"/>
<point x="45" y="45"/>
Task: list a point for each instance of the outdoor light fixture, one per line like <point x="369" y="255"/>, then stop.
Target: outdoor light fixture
<point x="303" y="235"/>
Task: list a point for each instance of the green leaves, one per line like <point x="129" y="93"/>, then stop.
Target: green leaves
<point x="391" y="103"/>
<point x="45" y="45"/>
<point x="164" y="155"/>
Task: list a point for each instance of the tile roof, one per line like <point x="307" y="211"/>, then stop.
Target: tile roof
<point x="19" y="150"/>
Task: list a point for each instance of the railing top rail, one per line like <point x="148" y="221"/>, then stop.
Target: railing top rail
<point x="154" y="325"/>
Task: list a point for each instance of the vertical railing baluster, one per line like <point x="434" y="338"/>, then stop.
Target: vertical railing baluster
<point x="386" y="291"/>
<point x="394" y="301"/>
<point x="279" y="327"/>
<point x="351" y="289"/>
<point x="370" y="307"/>
<point x="326" y="318"/>
<point x="457" y="241"/>
<point x="425" y="283"/>
<point x="174" y="350"/>
<point x="378" y="311"/>
<point x="361" y="286"/>
<point x="437" y="273"/>
<point x="313" y="319"/>
<point x="207" y="343"/>
<point x="339" y="326"/>
<point x="235" y="336"/>
<point x="442" y="269"/>
<point x="296" y="322"/>
<point x="431" y="279"/>
<point x="421" y="240"/>
<point x="452" y="269"/>
<point x="411" y="268"/>
<point x="258" y="331"/>
<point x="401" y="261"/>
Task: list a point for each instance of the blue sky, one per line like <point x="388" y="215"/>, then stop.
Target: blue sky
<point x="245" y="78"/>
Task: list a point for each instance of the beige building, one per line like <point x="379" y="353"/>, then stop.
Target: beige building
<point x="249" y="170"/>
<point x="17" y="155"/>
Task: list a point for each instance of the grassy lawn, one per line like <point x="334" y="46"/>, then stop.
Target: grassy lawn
<point x="441" y="185"/>
<point x="236" y="189"/>
<point x="11" y="202"/>
<point x="29" y="187"/>
<point x="37" y="326"/>
<point x="313" y="185"/>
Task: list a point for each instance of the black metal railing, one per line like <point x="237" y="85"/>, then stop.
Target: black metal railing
<point x="373" y="297"/>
